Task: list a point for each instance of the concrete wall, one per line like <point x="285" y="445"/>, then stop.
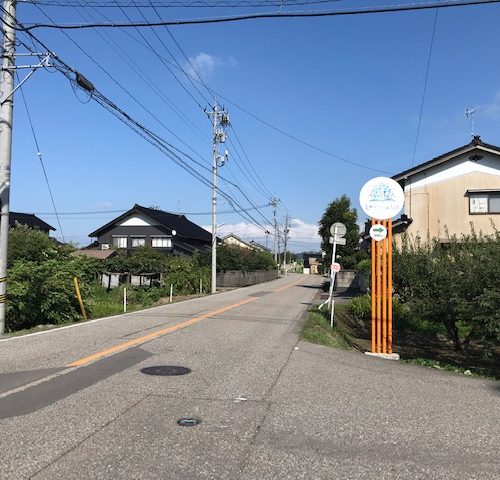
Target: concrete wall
<point x="346" y="280"/>
<point x="243" y="279"/>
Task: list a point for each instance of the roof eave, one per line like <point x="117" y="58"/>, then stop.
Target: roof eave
<point x="444" y="158"/>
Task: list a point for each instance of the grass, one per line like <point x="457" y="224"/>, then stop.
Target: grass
<point x="472" y="371"/>
<point x="316" y="329"/>
<point x="104" y="303"/>
<point x="107" y="303"/>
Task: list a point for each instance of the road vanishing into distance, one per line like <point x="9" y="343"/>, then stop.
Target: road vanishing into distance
<point x="74" y="403"/>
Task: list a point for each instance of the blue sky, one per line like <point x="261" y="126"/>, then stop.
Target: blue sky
<point x="349" y="85"/>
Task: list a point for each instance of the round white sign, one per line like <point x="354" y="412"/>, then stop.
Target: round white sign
<point x="335" y="267"/>
<point x="381" y="198"/>
<point x="378" y="232"/>
<point x="338" y="229"/>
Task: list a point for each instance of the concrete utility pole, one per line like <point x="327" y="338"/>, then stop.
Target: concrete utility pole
<point x="274" y="203"/>
<point x="220" y="123"/>
<point x="286" y="231"/>
<point x="6" y="116"/>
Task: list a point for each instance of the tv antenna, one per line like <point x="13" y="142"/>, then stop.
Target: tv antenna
<point x="469" y="113"/>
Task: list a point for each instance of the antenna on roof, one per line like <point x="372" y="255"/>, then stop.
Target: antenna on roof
<point x="469" y="113"/>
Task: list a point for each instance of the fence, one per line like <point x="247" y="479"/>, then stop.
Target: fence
<point x="236" y="278"/>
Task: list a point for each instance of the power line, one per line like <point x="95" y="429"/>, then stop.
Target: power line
<point x="161" y="58"/>
<point x="151" y="137"/>
<point x="39" y="155"/>
<point x="303" y="142"/>
<point x="256" y="117"/>
<point x="250" y="163"/>
<point x="431" y="46"/>
<point x="102" y="212"/>
<point x="173" y="57"/>
<point x="179" y="3"/>
<point x="116" y="82"/>
<point x="282" y="14"/>
<point x="143" y="76"/>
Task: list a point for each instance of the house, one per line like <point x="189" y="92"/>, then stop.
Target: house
<point x="233" y="239"/>
<point x="259" y="247"/>
<point x="149" y="227"/>
<point x="29" y="220"/>
<point x="312" y="263"/>
<point x="452" y="192"/>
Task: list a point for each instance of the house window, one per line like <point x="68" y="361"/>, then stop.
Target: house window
<point x="138" y="241"/>
<point x="161" y="242"/>
<point x="120" y="242"/>
<point x="484" y="202"/>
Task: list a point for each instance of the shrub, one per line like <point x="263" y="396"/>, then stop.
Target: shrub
<point x="43" y="293"/>
<point x="455" y="284"/>
<point x="361" y="308"/>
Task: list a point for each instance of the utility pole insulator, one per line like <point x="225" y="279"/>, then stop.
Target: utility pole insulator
<point x="220" y="123"/>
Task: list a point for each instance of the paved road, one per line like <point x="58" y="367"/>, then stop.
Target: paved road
<point x="75" y="405"/>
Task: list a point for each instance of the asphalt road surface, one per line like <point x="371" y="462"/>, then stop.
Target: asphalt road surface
<point x="74" y="403"/>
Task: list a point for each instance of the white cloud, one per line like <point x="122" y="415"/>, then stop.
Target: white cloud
<point x="206" y="64"/>
<point x="302" y="235"/>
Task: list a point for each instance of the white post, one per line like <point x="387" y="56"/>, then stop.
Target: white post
<point x="6" y="116"/>
<point x="332" y="278"/>
<point x="214" y="202"/>
<point x="201" y="286"/>
<point x="124" y="299"/>
<point x="171" y="291"/>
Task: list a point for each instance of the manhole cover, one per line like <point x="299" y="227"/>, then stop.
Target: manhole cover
<point x="188" y="422"/>
<point x="166" y="370"/>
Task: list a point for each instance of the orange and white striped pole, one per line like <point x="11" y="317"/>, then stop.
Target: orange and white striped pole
<point x="381" y="198"/>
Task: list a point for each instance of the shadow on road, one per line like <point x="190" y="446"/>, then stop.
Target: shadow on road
<point x="316" y="287"/>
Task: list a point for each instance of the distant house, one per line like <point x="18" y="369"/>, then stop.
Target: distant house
<point x="450" y="193"/>
<point x="233" y="239"/>
<point x="259" y="247"/>
<point x="142" y="226"/>
<point x="29" y="220"/>
<point x="312" y="263"/>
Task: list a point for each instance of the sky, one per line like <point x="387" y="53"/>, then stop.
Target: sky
<point x="348" y="85"/>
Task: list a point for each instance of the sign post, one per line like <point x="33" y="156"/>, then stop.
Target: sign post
<point x="338" y="230"/>
<point x="381" y="198"/>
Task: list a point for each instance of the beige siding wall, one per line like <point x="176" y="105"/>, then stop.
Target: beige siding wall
<point x="443" y="206"/>
<point x="235" y="241"/>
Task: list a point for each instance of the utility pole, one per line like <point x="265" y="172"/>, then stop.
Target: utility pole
<point x="220" y="123"/>
<point x="274" y="203"/>
<point x="6" y="116"/>
<point x="286" y="231"/>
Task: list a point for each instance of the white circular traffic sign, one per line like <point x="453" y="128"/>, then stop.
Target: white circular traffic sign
<point x="338" y="229"/>
<point x="335" y="267"/>
<point x="381" y="198"/>
<point x="378" y="232"/>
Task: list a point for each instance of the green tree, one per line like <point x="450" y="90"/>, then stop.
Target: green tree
<point x="456" y="284"/>
<point x="32" y="245"/>
<point x="231" y="257"/>
<point x="340" y="210"/>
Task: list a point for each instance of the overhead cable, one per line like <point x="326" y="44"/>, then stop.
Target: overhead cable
<point x="39" y="155"/>
<point x="282" y="14"/>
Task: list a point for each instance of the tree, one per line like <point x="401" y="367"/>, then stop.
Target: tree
<point x="456" y="284"/>
<point x="28" y="244"/>
<point x="340" y="210"/>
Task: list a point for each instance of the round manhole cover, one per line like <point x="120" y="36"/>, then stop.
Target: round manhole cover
<point x="188" y="422"/>
<point x="166" y="370"/>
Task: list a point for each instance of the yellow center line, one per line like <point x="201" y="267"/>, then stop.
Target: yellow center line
<point x="287" y="286"/>
<point x="158" y="333"/>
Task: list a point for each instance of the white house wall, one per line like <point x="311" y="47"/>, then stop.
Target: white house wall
<point x="137" y="221"/>
<point x="489" y="164"/>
